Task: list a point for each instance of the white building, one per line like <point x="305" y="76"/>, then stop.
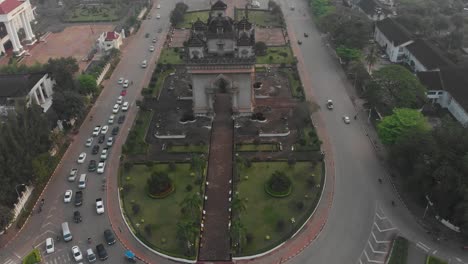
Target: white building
<point x="448" y="87"/>
<point x="110" y="40"/>
<point x="27" y="88"/>
<point x="393" y="38"/>
<point x="15" y="15"/>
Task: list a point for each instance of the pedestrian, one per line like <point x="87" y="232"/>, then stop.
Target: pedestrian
<point x="355" y="117"/>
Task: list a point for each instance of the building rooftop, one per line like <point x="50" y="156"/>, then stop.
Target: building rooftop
<point x="18" y="85"/>
<point x="111" y="35"/>
<point x="428" y="54"/>
<point x="431" y="79"/>
<point x="219" y="5"/>
<point x="6" y="6"/>
<point x="372" y="7"/>
<point x="393" y="31"/>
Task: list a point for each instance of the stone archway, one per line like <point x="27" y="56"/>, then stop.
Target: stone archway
<point x="223" y="87"/>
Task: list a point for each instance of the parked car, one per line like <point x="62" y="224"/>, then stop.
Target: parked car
<point x="101" y="252"/>
<point x="121" y="119"/>
<point x="125" y="84"/>
<point x="77" y="217"/>
<point x="50" y="248"/>
<point x="76" y="252"/>
<point x="111" y="119"/>
<point x="78" y="198"/>
<point x="151" y="48"/>
<point x="101" y="167"/>
<point x="90" y="255"/>
<point x="104" y="129"/>
<point x="120" y="81"/>
<point x="109" y="237"/>
<point x="68" y="196"/>
<point x="72" y="175"/>
<point x="101" y="139"/>
<point x="144" y="63"/>
<point x="104" y="153"/>
<point x="82" y="158"/>
<point x="123" y="92"/>
<point x="115" y="131"/>
<point x="99" y="206"/>
<point x="306" y="35"/>
<point x="120" y="99"/>
<point x="95" y="149"/>
<point x="158" y="6"/>
<point x="330" y="104"/>
<point x="92" y="166"/>
<point x="125" y="106"/>
<point x="110" y="141"/>
<point x="89" y="142"/>
<point x="299" y="42"/>
<point x="96" y="131"/>
<point x="158" y="16"/>
<point x="155" y="40"/>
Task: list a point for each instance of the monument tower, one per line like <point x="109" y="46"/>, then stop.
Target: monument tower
<point x="220" y="59"/>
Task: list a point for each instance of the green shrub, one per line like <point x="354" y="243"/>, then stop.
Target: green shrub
<point x="33" y="257"/>
<point x="399" y="251"/>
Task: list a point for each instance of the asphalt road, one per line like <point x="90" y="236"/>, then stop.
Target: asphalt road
<point x="48" y="222"/>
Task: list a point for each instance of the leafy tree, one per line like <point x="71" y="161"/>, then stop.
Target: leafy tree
<point x="62" y="70"/>
<point x="6" y="215"/>
<point x="399" y="123"/>
<point x="67" y="104"/>
<point x="43" y="166"/>
<point x="198" y="165"/>
<point x="158" y="183"/>
<point x="441" y="22"/>
<point x="87" y="84"/>
<point x="394" y="86"/>
<point x="279" y="182"/>
<point x="177" y="15"/>
<point x="458" y="20"/>
<point x="371" y="58"/>
<point x="321" y="7"/>
<point x="191" y="205"/>
<point x="348" y="54"/>
<point x="260" y="48"/>
<point x="181" y="6"/>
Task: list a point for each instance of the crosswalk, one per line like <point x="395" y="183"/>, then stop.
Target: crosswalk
<point x="58" y="258"/>
<point x="11" y="261"/>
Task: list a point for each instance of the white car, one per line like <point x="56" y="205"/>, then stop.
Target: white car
<point x="104" y="129"/>
<point x="346" y="119"/>
<point x="116" y="109"/>
<point x="89" y="142"/>
<point x="99" y="206"/>
<point x="73" y="174"/>
<point x="104" y="154"/>
<point x="111" y="119"/>
<point x="120" y="99"/>
<point x="125" y="84"/>
<point x="151" y="48"/>
<point x="158" y="16"/>
<point x="121" y="79"/>
<point x="82" y="158"/>
<point x="110" y="140"/>
<point x="101" y="167"/>
<point x="125" y="106"/>
<point x="158" y="6"/>
<point x="96" y="131"/>
<point x="49" y="245"/>
<point x="76" y="252"/>
<point x="68" y="196"/>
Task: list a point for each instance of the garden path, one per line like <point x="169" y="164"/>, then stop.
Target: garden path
<point x="215" y="242"/>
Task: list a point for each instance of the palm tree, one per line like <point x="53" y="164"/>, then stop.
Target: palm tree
<point x="192" y="205"/>
<point x="371" y="58"/>
<point x="198" y="164"/>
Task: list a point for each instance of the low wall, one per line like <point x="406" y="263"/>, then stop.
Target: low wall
<point x="169" y="136"/>
<point x="20" y="205"/>
<point x="275" y="134"/>
<point x="101" y="76"/>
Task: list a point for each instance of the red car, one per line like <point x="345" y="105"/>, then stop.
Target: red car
<point x="123" y="93"/>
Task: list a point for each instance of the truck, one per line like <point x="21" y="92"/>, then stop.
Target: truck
<point x="99" y="206"/>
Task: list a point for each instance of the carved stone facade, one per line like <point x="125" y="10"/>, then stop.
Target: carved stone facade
<point x="221" y="59"/>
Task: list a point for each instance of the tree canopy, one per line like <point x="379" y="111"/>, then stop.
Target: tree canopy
<point x="177" y="15"/>
<point x="87" y="84"/>
<point x="260" y="48"/>
<point x="403" y="120"/>
<point x="158" y="183"/>
<point x="62" y="70"/>
<point x="348" y="54"/>
<point x="393" y="86"/>
<point x="67" y="104"/>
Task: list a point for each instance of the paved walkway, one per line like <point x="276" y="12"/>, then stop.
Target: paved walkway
<point x="215" y="243"/>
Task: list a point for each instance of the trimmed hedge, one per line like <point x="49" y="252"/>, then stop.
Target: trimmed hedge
<point x="33" y="257"/>
<point x="270" y="192"/>
<point x="164" y="194"/>
<point x="399" y="251"/>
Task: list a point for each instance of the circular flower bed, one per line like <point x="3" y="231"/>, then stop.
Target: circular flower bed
<point x="279" y="185"/>
<point x="159" y="185"/>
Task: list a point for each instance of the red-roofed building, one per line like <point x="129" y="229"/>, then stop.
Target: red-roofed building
<point x="110" y="40"/>
<point x="15" y="15"/>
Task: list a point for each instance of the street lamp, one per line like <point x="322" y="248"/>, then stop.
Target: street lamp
<point x="16" y="188"/>
<point x="427" y="205"/>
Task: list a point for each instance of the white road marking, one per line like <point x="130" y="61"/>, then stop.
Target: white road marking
<point x="380" y="217"/>
<point x="375" y="251"/>
<point x="383" y="230"/>
<point x="10" y="261"/>
<point x="371" y="260"/>
<point x="378" y="241"/>
<point x="422" y="246"/>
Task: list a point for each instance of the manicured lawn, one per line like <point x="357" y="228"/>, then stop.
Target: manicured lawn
<point x="263" y="211"/>
<point x="257" y="147"/>
<point x="136" y="143"/>
<point x="159" y="83"/>
<point x="105" y="12"/>
<point x="399" y="251"/>
<point x="191" y="17"/>
<point x="161" y="214"/>
<point x="170" y="56"/>
<point x="260" y="18"/>
<point x="187" y="149"/>
<point x="33" y="257"/>
<point x="278" y="55"/>
<point x="294" y="82"/>
<point x="434" y="260"/>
